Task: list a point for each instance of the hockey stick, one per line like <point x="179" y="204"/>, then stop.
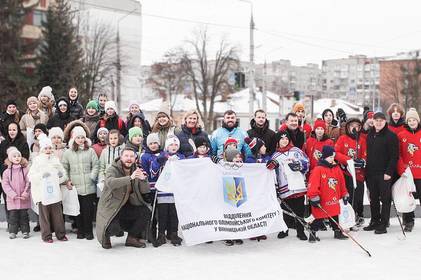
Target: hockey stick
<point x="399" y="219"/>
<point x="299" y="219"/>
<point x="343" y="231"/>
<point x="148" y="230"/>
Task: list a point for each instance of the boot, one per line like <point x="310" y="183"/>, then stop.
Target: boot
<point x="89" y="236"/>
<point x="301" y="235"/>
<point x="106" y="243"/>
<point x="262" y="237"/>
<point x="37" y="228"/>
<point x="160" y="240"/>
<point x="339" y="235"/>
<point x="80" y="235"/>
<point x="371" y="226"/>
<point x="283" y="234"/>
<point x="359" y="221"/>
<point x="26" y="235"/>
<point x="380" y="229"/>
<point x="313" y="237"/>
<point x="175" y="239"/>
<point x="228" y="242"/>
<point x="238" y="241"/>
<point x="12" y="235"/>
<point x="134" y="242"/>
<point x="119" y="234"/>
<point x="408" y="226"/>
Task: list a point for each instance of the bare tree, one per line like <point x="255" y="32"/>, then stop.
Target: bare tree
<point x="99" y="58"/>
<point x="208" y="74"/>
<point x="169" y="77"/>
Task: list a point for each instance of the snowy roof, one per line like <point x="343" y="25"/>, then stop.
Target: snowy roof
<point x="334" y="104"/>
<point x="239" y="102"/>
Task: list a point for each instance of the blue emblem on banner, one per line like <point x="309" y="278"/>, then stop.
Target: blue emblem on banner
<point x="234" y="190"/>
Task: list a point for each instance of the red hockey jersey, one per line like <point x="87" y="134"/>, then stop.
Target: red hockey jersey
<point x="346" y="149"/>
<point x="410" y="152"/>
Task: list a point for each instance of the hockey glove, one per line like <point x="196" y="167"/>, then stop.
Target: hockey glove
<point x="359" y="163"/>
<point x="295" y="166"/>
<point x="215" y="159"/>
<point x="345" y="199"/>
<point x="272" y="164"/>
<point x="315" y="201"/>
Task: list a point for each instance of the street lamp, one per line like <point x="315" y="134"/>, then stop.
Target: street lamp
<point x="251" y="81"/>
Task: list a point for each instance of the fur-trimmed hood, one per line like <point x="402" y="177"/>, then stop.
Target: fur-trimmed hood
<point x="72" y="125"/>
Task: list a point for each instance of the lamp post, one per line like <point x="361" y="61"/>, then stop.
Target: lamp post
<point x="251" y="67"/>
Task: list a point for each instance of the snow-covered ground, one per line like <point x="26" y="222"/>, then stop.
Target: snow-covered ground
<point x="393" y="258"/>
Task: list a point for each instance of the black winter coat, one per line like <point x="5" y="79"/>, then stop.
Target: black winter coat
<point x="19" y="142"/>
<point x="5" y="120"/>
<point x="297" y="137"/>
<point x="185" y="134"/>
<point x="264" y="133"/>
<point x="76" y="109"/>
<point x="382" y="152"/>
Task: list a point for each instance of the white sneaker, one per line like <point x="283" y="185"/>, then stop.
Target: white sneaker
<point x="12" y="235"/>
<point x="26" y="235"/>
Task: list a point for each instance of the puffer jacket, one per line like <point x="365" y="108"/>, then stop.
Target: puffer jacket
<point x="220" y="135"/>
<point x="81" y="167"/>
<point x="108" y="156"/>
<point x="185" y="134"/>
<point x="28" y="121"/>
<point x="16" y="184"/>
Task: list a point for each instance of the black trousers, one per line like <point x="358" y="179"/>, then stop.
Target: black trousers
<point x="18" y="218"/>
<point x="318" y="223"/>
<point x="380" y="191"/>
<point x="130" y="218"/>
<point x="87" y="210"/>
<point x="356" y="196"/>
<point x="167" y="218"/>
<point x="298" y="207"/>
<point x="409" y="217"/>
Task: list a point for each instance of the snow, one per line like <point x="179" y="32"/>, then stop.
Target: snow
<point x="334" y="104"/>
<point x="289" y="258"/>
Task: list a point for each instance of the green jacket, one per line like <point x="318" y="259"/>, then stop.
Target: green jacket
<point x="116" y="194"/>
<point x="81" y="167"/>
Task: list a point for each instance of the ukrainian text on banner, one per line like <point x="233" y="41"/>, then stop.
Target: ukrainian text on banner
<point x="218" y="202"/>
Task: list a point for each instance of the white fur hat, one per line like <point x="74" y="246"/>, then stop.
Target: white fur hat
<point x="12" y="151"/>
<point x="171" y="139"/>
<point x="46" y="91"/>
<point x="56" y="131"/>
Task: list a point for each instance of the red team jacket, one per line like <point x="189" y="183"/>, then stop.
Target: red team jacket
<point x="329" y="184"/>
<point x="346" y="149"/>
<point x="410" y="152"/>
<point x="313" y="149"/>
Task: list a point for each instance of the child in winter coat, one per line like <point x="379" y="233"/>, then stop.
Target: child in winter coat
<point x="81" y="164"/>
<point x="410" y="156"/>
<point x="91" y="116"/>
<point x="202" y="147"/>
<point x="56" y="136"/>
<point x="38" y="130"/>
<point x="43" y="166"/>
<point x="135" y="141"/>
<point x="291" y="165"/>
<point x="353" y="146"/>
<point x="108" y="155"/>
<point x="16" y="186"/>
<point x="101" y="141"/>
<point x="326" y="187"/>
<point x="167" y="214"/>
<point x="258" y="149"/>
<point x="111" y="120"/>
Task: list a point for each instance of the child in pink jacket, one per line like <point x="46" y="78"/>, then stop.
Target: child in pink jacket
<point x="16" y="186"/>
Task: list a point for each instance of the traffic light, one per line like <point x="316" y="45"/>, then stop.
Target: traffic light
<point x="240" y="80"/>
<point x="297" y="95"/>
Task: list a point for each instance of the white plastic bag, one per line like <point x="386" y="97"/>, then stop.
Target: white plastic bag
<point x="402" y="193"/>
<point x="70" y="202"/>
<point x="51" y="189"/>
<point x="347" y="215"/>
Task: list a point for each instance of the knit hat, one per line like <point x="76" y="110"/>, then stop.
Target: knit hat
<point x="56" y="131"/>
<point x="172" y="139"/>
<point x="110" y="104"/>
<point x="281" y="134"/>
<point x="78" y="131"/>
<point x="298" y="107"/>
<point x="62" y="102"/>
<point x="46" y="91"/>
<point x="135" y="131"/>
<point x="319" y="123"/>
<point x="326" y="111"/>
<point x="42" y="127"/>
<point x="379" y="115"/>
<point x="10" y="102"/>
<point x="93" y="104"/>
<point x="152" y="138"/>
<point x="101" y="129"/>
<point x="230" y="154"/>
<point x="254" y="143"/>
<point x="230" y="141"/>
<point x="133" y="103"/>
<point x="327" y="151"/>
<point x="31" y="99"/>
<point x="201" y="141"/>
<point x="412" y="113"/>
<point x="44" y="142"/>
<point x="11" y="151"/>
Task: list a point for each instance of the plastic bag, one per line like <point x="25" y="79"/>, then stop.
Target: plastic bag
<point x="71" y="205"/>
<point x="51" y="189"/>
<point x="347" y="215"/>
<point x="402" y="193"/>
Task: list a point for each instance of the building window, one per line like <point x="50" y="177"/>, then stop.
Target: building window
<point x="39" y="18"/>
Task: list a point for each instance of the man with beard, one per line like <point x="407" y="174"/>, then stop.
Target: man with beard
<point x="260" y="129"/>
<point x="229" y="129"/>
<point x="122" y="205"/>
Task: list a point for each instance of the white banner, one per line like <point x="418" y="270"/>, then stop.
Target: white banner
<point x="219" y="202"/>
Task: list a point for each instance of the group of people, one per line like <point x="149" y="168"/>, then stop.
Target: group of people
<point x="114" y="163"/>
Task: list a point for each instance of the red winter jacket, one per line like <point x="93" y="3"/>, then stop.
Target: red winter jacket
<point x="329" y="184"/>
<point x="410" y="151"/>
<point x="313" y="149"/>
<point x="346" y="149"/>
<point x="396" y="127"/>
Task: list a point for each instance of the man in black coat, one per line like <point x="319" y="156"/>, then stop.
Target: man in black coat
<point x="382" y="158"/>
<point x="298" y="137"/>
<point x="260" y="129"/>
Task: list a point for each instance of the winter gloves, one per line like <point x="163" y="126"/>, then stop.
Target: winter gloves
<point x="295" y="166"/>
<point x="215" y="159"/>
<point x="272" y="164"/>
<point x="359" y="163"/>
<point x="315" y="201"/>
<point x="341" y="115"/>
<point x="345" y="199"/>
<point x="162" y="159"/>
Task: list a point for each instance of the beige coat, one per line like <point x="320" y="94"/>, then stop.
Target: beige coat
<point x="28" y="121"/>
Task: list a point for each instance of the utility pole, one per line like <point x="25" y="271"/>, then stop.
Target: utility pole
<point x="118" y="74"/>
<point x="264" y="97"/>
<point x="251" y="82"/>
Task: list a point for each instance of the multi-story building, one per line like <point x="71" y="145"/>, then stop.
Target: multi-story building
<point x="355" y="78"/>
<point x="34" y="18"/>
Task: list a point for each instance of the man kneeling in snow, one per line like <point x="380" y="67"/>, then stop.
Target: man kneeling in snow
<point x="122" y="204"/>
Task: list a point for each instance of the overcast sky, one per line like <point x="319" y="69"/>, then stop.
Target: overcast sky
<point x="304" y="31"/>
